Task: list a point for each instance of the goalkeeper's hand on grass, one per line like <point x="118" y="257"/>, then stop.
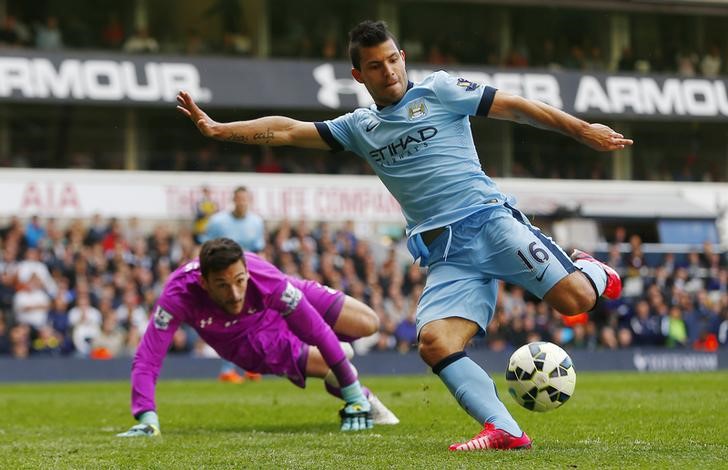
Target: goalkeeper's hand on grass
<point x="148" y="426"/>
<point x="357" y="413"/>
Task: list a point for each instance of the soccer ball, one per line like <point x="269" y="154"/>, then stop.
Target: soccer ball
<point x="540" y="376"/>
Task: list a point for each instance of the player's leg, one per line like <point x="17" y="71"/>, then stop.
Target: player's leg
<point x="349" y="318"/>
<point x="531" y="259"/>
<point x="356" y="319"/>
<point x="459" y="301"/>
<point x="442" y="346"/>
<point x="317" y="367"/>
<point x="229" y="373"/>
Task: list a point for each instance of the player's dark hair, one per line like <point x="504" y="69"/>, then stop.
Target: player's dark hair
<point x="240" y="189"/>
<point x="219" y="253"/>
<point x="367" y="34"/>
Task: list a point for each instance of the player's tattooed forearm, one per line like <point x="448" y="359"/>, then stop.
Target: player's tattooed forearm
<point x="265" y="137"/>
<point x="242" y="138"/>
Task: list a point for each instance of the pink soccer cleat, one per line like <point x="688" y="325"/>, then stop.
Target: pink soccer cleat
<point x="613" y="288"/>
<point x="493" y="438"/>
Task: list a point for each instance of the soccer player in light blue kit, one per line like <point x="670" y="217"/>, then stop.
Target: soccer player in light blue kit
<point x="246" y="228"/>
<point x="417" y="139"/>
<point x="240" y="224"/>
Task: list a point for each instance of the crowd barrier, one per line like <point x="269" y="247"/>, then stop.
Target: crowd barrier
<point x="379" y="363"/>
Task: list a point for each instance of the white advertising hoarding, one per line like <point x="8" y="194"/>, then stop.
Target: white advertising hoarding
<point x="160" y="195"/>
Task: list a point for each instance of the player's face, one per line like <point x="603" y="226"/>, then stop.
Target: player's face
<point x="382" y="71"/>
<point x="240" y="201"/>
<point x="227" y="287"/>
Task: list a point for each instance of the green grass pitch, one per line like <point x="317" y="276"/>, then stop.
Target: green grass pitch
<point x="614" y="420"/>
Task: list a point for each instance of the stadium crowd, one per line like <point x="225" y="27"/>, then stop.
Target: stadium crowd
<point x="296" y="37"/>
<point x="86" y="289"/>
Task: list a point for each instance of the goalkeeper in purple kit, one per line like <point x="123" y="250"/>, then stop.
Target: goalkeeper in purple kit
<point x="263" y="321"/>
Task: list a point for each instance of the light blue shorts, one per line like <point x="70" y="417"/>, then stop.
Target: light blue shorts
<point x="468" y="259"/>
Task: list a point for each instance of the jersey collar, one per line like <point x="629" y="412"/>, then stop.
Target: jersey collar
<point x="409" y="86"/>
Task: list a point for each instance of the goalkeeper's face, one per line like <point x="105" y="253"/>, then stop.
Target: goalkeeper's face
<point x="227" y="287"/>
<point x="382" y="71"/>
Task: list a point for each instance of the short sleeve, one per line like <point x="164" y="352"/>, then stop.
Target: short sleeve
<point x="337" y="132"/>
<point x="462" y="96"/>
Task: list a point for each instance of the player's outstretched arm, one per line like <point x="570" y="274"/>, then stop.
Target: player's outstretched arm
<point x="270" y="130"/>
<point x="535" y="113"/>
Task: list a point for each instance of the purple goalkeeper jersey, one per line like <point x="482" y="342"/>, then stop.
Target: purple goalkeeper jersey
<point x="273" y="302"/>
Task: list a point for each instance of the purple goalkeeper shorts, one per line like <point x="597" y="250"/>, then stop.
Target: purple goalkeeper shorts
<point x="273" y="349"/>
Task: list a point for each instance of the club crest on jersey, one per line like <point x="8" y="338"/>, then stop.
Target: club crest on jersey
<point x="417" y="109"/>
<point x="162" y="318"/>
<point x="467" y="84"/>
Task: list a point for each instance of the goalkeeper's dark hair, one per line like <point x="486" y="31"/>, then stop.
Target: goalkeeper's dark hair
<point x="219" y="253"/>
<point x="367" y="34"/>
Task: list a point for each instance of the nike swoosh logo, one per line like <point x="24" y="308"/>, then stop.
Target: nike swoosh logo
<point x="372" y="125"/>
<point x="540" y="278"/>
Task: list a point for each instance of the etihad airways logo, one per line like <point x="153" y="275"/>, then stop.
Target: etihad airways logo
<point x="106" y="80"/>
<point x="403" y="147"/>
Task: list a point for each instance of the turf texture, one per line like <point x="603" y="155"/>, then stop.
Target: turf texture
<point x="614" y="420"/>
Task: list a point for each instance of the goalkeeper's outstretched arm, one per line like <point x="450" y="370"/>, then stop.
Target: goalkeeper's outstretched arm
<point x="270" y="130"/>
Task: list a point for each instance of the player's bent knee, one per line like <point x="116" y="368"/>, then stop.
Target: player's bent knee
<point x="575" y="302"/>
<point x="433" y="347"/>
<point x="572" y="295"/>
<point x="370" y="322"/>
<point x="361" y="317"/>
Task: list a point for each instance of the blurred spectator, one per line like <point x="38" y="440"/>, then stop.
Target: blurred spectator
<point x="236" y="44"/>
<point x="58" y="321"/>
<point x="241" y="224"/>
<point x="48" y="35"/>
<point x="76" y="32"/>
<point x="34" y="232"/>
<point x="31" y="303"/>
<point x="47" y="342"/>
<point x="112" y="35"/>
<point x="576" y="59"/>
<point x="113" y="237"/>
<point x="547" y="56"/>
<point x="406" y="331"/>
<point x="4" y="336"/>
<point x="195" y="44"/>
<point x="20" y="341"/>
<point x="595" y="60"/>
<point x="8" y="32"/>
<point x="686" y="63"/>
<point x="110" y="341"/>
<point x="141" y="42"/>
<point x="516" y="59"/>
<point x="32" y="265"/>
<point x="676" y="333"/>
<point x="646" y="330"/>
<point x="626" y="60"/>
<point x="130" y="314"/>
<point x="711" y="64"/>
<point x="96" y="230"/>
<point x="205" y="207"/>
<point x="85" y="320"/>
<point x="268" y="164"/>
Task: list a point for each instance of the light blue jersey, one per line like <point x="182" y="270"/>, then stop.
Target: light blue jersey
<point x="248" y="231"/>
<point x="422" y="149"/>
